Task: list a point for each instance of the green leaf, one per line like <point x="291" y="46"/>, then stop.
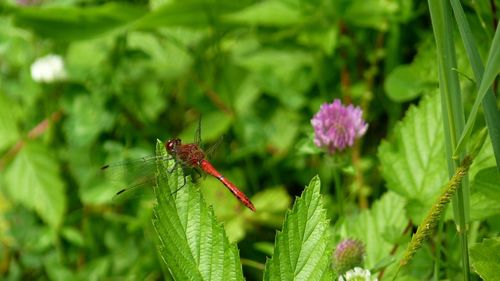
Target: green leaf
<point x="284" y="74"/>
<point x="86" y="120"/>
<point x="485" y="197"/>
<point x="406" y="82"/>
<point x="413" y="163"/>
<point x="73" y="23"/>
<point x="484" y="258"/>
<point x="378" y="227"/>
<point x="268" y="13"/>
<point x="409" y="81"/>
<point x="8" y="129"/>
<point x="371" y="13"/>
<point x="192" y="244"/>
<point x="190" y="13"/>
<point x="302" y="250"/>
<point x="33" y="180"/>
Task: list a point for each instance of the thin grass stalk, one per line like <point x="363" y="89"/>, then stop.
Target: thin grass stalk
<point x="491" y="113"/>
<point x="452" y="110"/>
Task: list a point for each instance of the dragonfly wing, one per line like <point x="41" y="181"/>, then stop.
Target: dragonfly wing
<point x="131" y="175"/>
<point x="213" y="148"/>
<point x="197" y="133"/>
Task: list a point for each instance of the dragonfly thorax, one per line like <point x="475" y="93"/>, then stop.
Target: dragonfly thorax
<point x="189" y="154"/>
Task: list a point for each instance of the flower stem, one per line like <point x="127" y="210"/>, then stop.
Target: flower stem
<point x="338" y="190"/>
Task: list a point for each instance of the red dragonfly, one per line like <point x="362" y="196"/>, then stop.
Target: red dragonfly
<point x="192" y="156"/>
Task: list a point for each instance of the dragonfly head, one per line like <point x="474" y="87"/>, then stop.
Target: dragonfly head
<point x="172" y="144"/>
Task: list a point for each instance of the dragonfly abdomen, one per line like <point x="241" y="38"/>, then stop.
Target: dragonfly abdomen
<point x="209" y="169"/>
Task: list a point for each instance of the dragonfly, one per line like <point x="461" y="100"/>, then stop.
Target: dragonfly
<point x="191" y="155"/>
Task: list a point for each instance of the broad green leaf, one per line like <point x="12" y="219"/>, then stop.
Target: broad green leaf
<point x="246" y="96"/>
<point x="282" y="130"/>
<point x="302" y="250"/>
<point x="86" y="120"/>
<point x="284" y="74"/>
<point x="170" y="60"/>
<point x="272" y="204"/>
<point x="485" y="185"/>
<point x="413" y="163"/>
<point x="192" y="244"/>
<point x="409" y="81"/>
<point x="378" y="227"/>
<point x="406" y="82"/>
<point x="74" y="23"/>
<point x="485" y="194"/>
<point x="371" y="13"/>
<point x="33" y="180"/>
<point x="268" y="13"/>
<point x="484" y="258"/>
<point x="190" y="13"/>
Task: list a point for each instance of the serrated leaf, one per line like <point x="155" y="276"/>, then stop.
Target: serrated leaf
<point x="302" y="250"/>
<point x="192" y="244"/>
<point x="413" y="164"/>
<point x="378" y="227"/>
<point x="484" y="259"/>
<point x="33" y="180"/>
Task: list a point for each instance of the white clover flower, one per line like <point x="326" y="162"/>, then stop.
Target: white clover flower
<point x="48" y="69"/>
<point x="357" y="274"/>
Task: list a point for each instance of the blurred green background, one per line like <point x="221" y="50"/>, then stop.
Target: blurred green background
<point x="139" y="70"/>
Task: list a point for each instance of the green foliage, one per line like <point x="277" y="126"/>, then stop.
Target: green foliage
<point x="379" y="228"/>
<point x="72" y="23"/>
<point x="485" y="257"/>
<point x="411" y="165"/>
<point x="407" y="82"/>
<point x="256" y="72"/>
<point x="192" y="244"/>
<point x="8" y="131"/>
<point x="302" y="250"/>
<point x="33" y="179"/>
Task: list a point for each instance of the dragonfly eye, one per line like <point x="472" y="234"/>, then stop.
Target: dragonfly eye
<point x="170" y="145"/>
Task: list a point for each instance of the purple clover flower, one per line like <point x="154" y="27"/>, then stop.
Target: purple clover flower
<point x="337" y="126"/>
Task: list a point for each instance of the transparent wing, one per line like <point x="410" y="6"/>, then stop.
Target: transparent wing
<point x="197" y="133"/>
<point x="213" y="148"/>
<point x="130" y="176"/>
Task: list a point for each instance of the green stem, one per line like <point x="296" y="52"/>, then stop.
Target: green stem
<point x="453" y="116"/>
<point x="437" y="264"/>
<point x="339" y="191"/>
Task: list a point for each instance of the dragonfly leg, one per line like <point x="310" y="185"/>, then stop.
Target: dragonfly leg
<point x="196" y="175"/>
<point x="181" y="186"/>
<point x="173" y="167"/>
